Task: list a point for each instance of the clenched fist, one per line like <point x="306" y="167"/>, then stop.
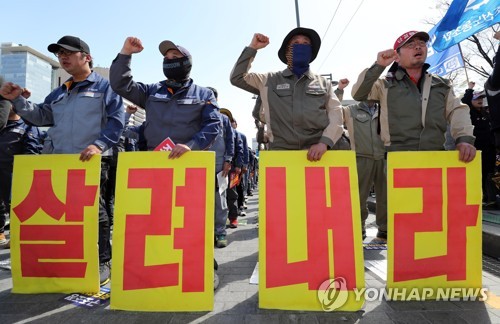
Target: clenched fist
<point x="11" y="91"/>
<point x="131" y="46"/>
<point x="385" y="58"/>
<point x="259" y="41"/>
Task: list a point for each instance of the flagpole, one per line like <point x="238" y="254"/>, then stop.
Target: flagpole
<point x="465" y="68"/>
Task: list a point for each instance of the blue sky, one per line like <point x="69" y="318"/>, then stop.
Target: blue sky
<point x="215" y="32"/>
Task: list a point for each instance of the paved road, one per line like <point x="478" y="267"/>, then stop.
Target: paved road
<point x="236" y="299"/>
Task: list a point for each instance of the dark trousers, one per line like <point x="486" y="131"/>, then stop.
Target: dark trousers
<point x="232" y="202"/>
<point x="110" y="189"/>
<point x="5" y="192"/>
<point x="104" y="220"/>
<point x="488" y="160"/>
<point x="241" y="193"/>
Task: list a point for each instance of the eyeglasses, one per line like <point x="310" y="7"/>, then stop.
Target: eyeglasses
<point x="64" y="52"/>
<point x="414" y="44"/>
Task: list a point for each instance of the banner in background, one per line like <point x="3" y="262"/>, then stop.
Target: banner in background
<point x="442" y="63"/>
<point x="463" y="19"/>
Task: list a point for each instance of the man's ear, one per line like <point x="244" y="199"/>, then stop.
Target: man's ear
<point x="88" y="57"/>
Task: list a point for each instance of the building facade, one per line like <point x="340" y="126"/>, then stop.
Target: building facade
<point x="41" y="74"/>
<point x="28" y="68"/>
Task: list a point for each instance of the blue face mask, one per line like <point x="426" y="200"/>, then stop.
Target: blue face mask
<point x="301" y="56"/>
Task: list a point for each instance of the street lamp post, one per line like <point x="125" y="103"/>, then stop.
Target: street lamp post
<point x="297" y="12"/>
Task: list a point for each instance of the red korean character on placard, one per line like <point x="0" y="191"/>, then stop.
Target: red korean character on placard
<point x="137" y="275"/>
<point x="320" y="219"/>
<point x="42" y="196"/>
<point x="459" y="216"/>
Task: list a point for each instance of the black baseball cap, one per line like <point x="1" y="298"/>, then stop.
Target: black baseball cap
<point x="71" y="43"/>
<point x="311" y="33"/>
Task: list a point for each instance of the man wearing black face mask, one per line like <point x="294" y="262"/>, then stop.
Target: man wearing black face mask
<point x="300" y="108"/>
<point x="176" y="107"/>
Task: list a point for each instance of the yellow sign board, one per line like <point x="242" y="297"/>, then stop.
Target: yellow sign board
<point x="163" y="232"/>
<point x="54" y="224"/>
<point x="434" y="223"/>
<point x="310" y="242"/>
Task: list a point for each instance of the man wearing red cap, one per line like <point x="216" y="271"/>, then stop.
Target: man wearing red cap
<point x="300" y="108"/>
<point x="415" y="106"/>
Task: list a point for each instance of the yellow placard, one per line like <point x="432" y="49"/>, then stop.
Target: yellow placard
<point x="54" y="224"/>
<point x="163" y="232"/>
<point x="310" y="244"/>
<point x="435" y="226"/>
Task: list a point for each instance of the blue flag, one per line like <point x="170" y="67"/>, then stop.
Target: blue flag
<point x="463" y="19"/>
<point x="443" y="62"/>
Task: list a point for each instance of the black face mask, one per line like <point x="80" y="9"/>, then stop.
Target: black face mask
<point x="177" y="69"/>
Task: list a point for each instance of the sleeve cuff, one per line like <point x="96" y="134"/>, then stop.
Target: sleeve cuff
<point x="193" y="145"/>
<point x="377" y="67"/>
<point x="465" y="139"/>
<point x="101" y="145"/>
<point x="251" y="51"/>
<point x="327" y="141"/>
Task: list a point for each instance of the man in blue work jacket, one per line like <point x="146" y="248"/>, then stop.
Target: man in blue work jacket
<point x="175" y="107"/>
<point x="86" y="117"/>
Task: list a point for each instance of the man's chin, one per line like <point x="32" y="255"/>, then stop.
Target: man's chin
<point x="417" y="64"/>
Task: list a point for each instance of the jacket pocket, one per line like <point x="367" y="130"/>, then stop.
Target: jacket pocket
<point x="283" y="92"/>
<point x="316" y="92"/>
<point x="189" y="113"/>
<point x="89" y="104"/>
<point x="363" y="117"/>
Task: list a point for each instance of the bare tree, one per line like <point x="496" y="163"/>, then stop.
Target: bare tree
<point x="478" y="51"/>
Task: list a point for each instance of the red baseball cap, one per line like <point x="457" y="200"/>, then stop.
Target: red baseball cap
<point x="403" y="39"/>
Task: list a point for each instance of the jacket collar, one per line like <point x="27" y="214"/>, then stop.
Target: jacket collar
<point x="287" y="73"/>
<point x="401" y="72"/>
<point x="363" y="106"/>
<point x="186" y="84"/>
<point x="92" y="77"/>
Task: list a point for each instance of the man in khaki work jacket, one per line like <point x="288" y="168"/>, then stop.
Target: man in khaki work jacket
<point x="362" y="121"/>
<point x="415" y="106"/>
<point x="300" y="108"/>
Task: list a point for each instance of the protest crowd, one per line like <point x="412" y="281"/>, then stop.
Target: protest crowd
<point x="400" y="107"/>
